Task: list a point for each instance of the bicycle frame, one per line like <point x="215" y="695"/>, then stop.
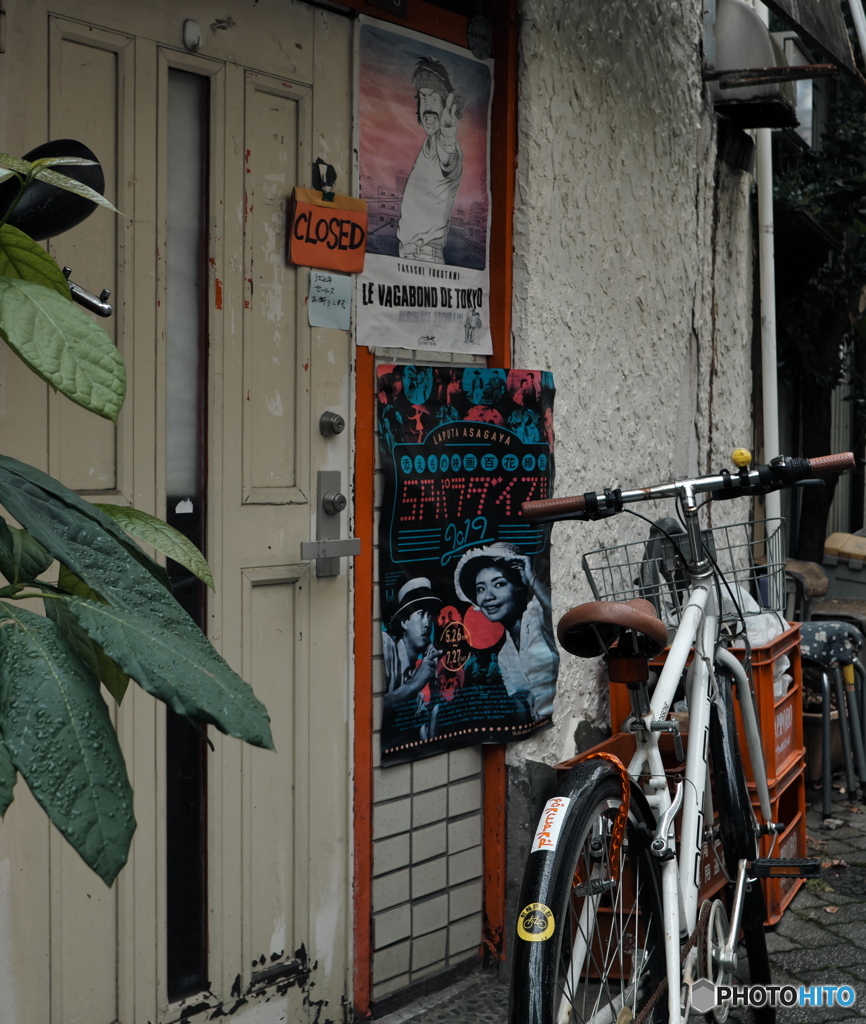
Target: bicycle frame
<point x="697" y="632"/>
<point x="596" y="629"/>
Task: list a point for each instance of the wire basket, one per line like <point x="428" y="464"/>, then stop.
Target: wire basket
<point x="749" y="557"/>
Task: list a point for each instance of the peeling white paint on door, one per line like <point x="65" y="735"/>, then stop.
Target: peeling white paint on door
<point x="275" y="405"/>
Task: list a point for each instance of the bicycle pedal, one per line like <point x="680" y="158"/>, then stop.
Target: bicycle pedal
<point x="786" y="867"/>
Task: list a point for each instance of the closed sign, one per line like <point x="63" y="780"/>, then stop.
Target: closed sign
<point x="329" y="235"/>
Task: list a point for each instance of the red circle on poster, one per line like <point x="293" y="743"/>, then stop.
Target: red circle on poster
<point x="482" y="632"/>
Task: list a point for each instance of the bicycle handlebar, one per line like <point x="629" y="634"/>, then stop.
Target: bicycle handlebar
<point x="782" y="472"/>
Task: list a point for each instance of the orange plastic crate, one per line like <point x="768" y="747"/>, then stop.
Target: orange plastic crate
<point x="788" y="805"/>
<point x="780" y="721"/>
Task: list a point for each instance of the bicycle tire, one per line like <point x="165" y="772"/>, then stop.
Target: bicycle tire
<point x="582" y="851"/>
<point x="737" y="829"/>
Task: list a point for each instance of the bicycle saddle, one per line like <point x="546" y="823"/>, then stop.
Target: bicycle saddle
<point x="604" y="627"/>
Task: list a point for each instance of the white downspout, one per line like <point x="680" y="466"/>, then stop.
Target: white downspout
<point x="767" y="279"/>
<point x="859" y="20"/>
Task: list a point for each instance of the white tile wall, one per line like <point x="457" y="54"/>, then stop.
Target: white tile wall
<point x="427" y="865"/>
<point x="427" y="857"/>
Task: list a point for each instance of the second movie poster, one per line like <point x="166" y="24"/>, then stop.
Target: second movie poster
<point x="423" y="131"/>
<point x="467" y="634"/>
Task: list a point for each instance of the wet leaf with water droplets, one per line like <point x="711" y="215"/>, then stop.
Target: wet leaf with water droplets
<point x="59" y="735"/>
<point x="22" y="559"/>
<point x="178" y="665"/>
<point x="30" y="491"/>
<point x="166" y="539"/>
<point x="156" y="643"/>
<point x="8" y="777"/>
<point x="103" y="669"/>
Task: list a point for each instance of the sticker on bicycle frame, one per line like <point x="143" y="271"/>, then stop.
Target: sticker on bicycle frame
<point x="550" y="824"/>
<point x="535" y="923"/>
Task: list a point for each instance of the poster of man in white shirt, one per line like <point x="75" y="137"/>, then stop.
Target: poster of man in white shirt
<point x="424" y="128"/>
<point x="430" y="191"/>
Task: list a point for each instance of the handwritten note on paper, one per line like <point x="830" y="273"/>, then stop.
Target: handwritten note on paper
<point x="330" y="301"/>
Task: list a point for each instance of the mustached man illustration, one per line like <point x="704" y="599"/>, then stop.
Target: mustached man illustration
<point x="425" y="213"/>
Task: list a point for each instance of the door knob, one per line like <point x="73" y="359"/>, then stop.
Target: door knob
<point x="333" y="502"/>
<point x="331" y="423"/>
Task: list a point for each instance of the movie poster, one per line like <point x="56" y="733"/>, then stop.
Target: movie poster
<point x="424" y="129"/>
<point x="467" y="633"/>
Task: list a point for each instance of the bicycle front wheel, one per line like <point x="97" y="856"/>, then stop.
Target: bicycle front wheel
<point x="589" y="938"/>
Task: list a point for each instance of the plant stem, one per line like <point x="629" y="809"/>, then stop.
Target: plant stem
<point x="25" y="181"/>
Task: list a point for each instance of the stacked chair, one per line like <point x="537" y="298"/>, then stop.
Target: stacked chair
<point x="832" y="636"/>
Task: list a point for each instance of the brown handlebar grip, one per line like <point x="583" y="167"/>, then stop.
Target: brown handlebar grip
<point x="553" y="507"/>
<point x="839" y="463"/>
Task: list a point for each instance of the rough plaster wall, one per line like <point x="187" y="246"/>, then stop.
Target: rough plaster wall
<point x="632" y="276"/>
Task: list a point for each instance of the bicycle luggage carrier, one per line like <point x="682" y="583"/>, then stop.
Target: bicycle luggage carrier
<point x="749" y="557"/>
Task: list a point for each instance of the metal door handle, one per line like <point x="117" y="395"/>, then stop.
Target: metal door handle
<point x="328" y="547"/>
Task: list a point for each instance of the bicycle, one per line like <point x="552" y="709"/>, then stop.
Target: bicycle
<point x="610" y="928"/>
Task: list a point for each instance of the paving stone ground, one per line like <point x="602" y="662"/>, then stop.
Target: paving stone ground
<point x="821" y="939"/>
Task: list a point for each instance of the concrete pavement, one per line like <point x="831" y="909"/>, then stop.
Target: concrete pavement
<point x="821" y="939"/>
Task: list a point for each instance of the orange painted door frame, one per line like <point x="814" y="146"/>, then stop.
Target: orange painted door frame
<point x="440" y="24"/>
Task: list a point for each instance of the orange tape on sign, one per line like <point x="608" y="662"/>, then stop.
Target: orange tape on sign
<point x="329" y="235"/>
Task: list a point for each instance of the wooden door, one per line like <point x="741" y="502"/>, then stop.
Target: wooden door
<point x="275" y="79"/>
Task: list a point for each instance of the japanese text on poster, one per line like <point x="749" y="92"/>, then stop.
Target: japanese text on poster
<point x="465" y="580"/>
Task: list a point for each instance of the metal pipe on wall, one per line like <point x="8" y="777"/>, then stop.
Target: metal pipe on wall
<point x="767" y="279"/>
<point x="859" y="19"/>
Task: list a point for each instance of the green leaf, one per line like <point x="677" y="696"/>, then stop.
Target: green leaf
<point x="60" y="737"/>
<point x="15" y="474"/>
<point x="22" y="559"/>
<point x="157" y="643"/>
<point x="176" y="665"/>
<point x="6" y="174"/>
<point x="73" y="634"/>
<point x="102" y="668"/>
<point x="8" y="778"/>
<point x="21" y="257"/>
<point x="15" y="163"/>
<point x="71" y="185"/>
<point x="63" y="345"/>
<point x="164" y="538"/>
<point x="56" y="161"/>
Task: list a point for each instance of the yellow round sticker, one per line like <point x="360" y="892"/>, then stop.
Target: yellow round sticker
<point x="535" y="923"/>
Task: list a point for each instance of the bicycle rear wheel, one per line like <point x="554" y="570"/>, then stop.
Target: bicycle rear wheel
<point x="738" y="831"/>
<point x="590" y="937"/>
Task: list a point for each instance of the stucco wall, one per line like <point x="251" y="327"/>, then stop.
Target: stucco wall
<point x="632" y="276"/>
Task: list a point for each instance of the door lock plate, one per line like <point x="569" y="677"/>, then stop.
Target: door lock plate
<point x="328" y="547"/>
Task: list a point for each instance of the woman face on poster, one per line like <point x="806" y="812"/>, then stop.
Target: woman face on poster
<point x="500" y="594"/>
<point x="497" y="580"/>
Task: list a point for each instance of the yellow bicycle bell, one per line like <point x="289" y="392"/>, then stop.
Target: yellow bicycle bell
<point x="741" y="458"/>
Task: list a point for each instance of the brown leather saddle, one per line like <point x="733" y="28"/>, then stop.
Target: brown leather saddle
<point x="620" y="631"/>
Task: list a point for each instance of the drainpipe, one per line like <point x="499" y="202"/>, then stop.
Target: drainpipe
<point x="767" y="278"/>
<point x="859" y="20"/>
